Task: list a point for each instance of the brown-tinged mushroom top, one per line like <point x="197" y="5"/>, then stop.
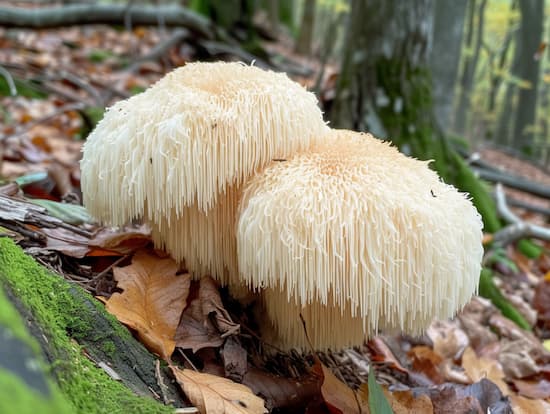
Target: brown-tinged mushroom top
<point x="182" y="142"/>
<point x="354" y="223"/>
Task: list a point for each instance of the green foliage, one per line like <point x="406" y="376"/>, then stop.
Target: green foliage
<point x="529" y="248"/>
<point x="378" y="403"/>
<point x="25" y="88"/>
<point x="500" y="257"/>
<point x="489" y="290"/>
<point x="100" y="55"/>
<point x="68" y="213"/>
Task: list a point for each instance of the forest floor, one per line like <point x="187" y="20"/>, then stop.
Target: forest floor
<point x="65" y="77"/>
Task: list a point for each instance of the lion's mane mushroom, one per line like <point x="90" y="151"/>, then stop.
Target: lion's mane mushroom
<point x="357" y="237"/>
<point x="171" y="152"/>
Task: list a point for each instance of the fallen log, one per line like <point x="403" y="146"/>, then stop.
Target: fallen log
<point x="513" y="181"/>
<point x="80" y="14"/>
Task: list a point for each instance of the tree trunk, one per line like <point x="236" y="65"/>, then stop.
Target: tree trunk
<point x="78" y="14"/>
<point x="273" y="12"/>
<point x="506" y="118"/>
<point x="445" y="56"/>
<point x="530" y="36"/>
<point x="384" y="87"/>
<point x="303" y="45"/>
<point x="469" y="66"/>
<point x="496" y="71"/>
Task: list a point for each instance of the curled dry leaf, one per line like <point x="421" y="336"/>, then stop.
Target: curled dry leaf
<point x="449" y="340"/>
<point x="216" y="395"/>
<point x="152" y="300"/>
<point x="338" y="396"/>
<point x="428" y="362"/>
<point x="205" y="320"/>
<point x="195" y="331"/>
<point x="212" y="304"/>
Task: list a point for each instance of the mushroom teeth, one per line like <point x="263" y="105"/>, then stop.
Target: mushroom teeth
<point x="176" y="155"/>
<point x="182" y="142"/>
<point x="356" y="236"/>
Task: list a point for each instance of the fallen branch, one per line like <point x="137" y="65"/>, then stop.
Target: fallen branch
<point x="514" y="181"/>
<point x="79" y="14"/>
<point x="517" y="229"/>
<point x="527" y="206"/>
<point x="160" y="50"/>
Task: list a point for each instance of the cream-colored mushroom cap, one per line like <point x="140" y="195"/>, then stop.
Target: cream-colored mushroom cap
<point x="182" y="142"/>
<point x="355" y="225"/>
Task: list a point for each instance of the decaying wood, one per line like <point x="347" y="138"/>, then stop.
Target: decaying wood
<point x="79" y="14"/>
<point x="514" y="181"/>
<point x="15" y="210"/>
<point x="517" y="228"/>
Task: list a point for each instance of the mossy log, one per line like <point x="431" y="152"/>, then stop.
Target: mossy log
<point x="76" y="336"/>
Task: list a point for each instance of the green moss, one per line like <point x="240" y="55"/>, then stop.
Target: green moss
<point x="11" y="319"/>
<point x="17" y="397"/>
<point x="49" y="299"/>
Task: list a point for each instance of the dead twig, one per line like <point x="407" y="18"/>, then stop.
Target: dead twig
<point x="517" y="228"/>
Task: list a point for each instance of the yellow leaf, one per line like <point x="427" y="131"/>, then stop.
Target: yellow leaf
<point x="522" y="405"/>
<point x="216" y="395"/>
<point x="478" y="368"/>
<point x="152" y="300"/>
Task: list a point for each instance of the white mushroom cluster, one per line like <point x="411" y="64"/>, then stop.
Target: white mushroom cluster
<point x="238" y="176"/>
<point x="168" y="154"/>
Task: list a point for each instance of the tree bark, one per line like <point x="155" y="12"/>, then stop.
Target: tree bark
<point x="445" y="56"/>
<point x="78" y="14"/>
<point x="303" y="45"/>
<point x="530" y="36"/>
<point x="469" y="66"/>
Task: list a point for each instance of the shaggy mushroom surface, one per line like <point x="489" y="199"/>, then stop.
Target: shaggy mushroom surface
<point x="353" y="229"/>
<point x="177" y="154"/>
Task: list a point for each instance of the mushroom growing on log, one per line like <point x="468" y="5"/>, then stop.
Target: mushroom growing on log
<point x="356" y="237"/>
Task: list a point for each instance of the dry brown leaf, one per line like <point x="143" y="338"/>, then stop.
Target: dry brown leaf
<point x="478" y="368"/>
<point x="211" y="303"/>
<point x="338" y="396"/>
<point x="195" y="331"/>
<point x="123" y="240"/>
<point x="522" y="405"/>
<point x="539" y="388"/>
<point x="449" y="340"/>
<point x="401" y="402"/>
<point x="428" y="362"/>
<point x="152" y="300"/>
<point x="216" y="395"/>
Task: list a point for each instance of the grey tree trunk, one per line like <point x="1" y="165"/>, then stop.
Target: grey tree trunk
<point x="303" y="45"/>
<point x="474" y="41"/>
<point x="445" y="56"/>
<point x="384" y="85"/>
<point x="506" y="119"/>
<point x="530" y="36"/>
